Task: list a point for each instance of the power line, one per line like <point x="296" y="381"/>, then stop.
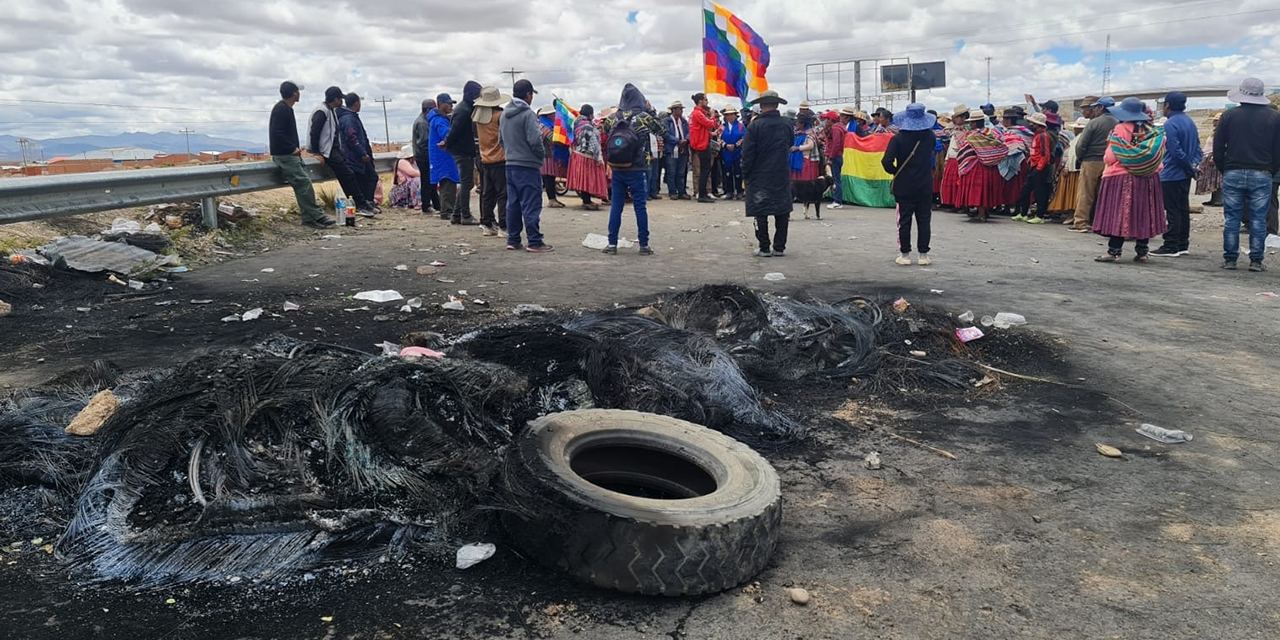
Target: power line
<point x="126" y="106"/>
<point x="167" y="122"/>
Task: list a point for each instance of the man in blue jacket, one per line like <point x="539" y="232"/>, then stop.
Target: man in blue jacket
<point x="1182" y="158"/>
<point x="358" y="153"/>
<point x="444" y="169"/>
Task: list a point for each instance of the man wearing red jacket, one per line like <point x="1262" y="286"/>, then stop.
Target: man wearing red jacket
<point x="701" y="125"/>
<point x="1040" y="177"/>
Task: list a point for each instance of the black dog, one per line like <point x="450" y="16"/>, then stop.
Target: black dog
<point x="810" y="192"/>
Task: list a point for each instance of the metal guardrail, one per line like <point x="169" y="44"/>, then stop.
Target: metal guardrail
<point x="38" y="197"/>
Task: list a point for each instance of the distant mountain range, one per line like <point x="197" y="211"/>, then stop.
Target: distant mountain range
<point x="163" y="141"/>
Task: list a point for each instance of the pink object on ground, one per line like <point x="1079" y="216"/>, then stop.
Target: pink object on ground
<point x="420" y="352"/>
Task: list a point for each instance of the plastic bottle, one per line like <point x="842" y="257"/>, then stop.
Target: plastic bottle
<point x="351" y="213"/>
<point x="1160" y="434"/>
<point x="340" y="207"/>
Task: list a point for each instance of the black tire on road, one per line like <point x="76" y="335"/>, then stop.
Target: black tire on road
<point x="642" y="503"/>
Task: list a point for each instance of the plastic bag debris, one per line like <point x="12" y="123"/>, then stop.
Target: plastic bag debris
<point x="252" y="314"/>
<point x="597" y="241"/>
<point x="480" y="302"/>
<point x="411" y="304"/>
<point x="936" y="291"/>
<point x="420" y="352"/>
<point x="289" y="306"/>
<point x="967" y="316"/>
<point x="356" y="309"/>
<point x="1160" y="434"/>
<point x="123" y="226"/>
<point x="136" y="285"/>
<point x="470" y="555"/>
<point x="1273" y="241"/>
<point x="388" y="348"/>
<point x="402" y="267"/>
<point x="774" y="277"/>
<point x="379" y="295"/>
<point x="900" y="305"/>
<point x="436" y="263"/>
<point x="269" y="270"/>
<point x="529" y="309"/>
<point x="454" y="304"/>
<point x="969" y="334"/>
<point x="1005" y="320"/>
<point x="231" y="318"/>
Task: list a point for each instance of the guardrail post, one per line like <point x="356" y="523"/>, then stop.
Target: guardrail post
<point x="209" y="207"/>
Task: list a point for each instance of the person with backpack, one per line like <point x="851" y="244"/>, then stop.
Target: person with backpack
<point x="627" y="152"/>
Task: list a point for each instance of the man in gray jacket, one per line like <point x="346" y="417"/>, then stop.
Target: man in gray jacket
<point x="324" y="143"/>
<point x="421" y="152"/>
<point x="522" y="141"/>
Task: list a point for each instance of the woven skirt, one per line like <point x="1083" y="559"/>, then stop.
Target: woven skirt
<point x="949" y="188"/>
<point x="808" y="171"/>
<point x="1064" y="197"/>
<point x="1208" y="179"/>
<point x="1013" y="186"/>
<point x="588" y="175"/>
<point x="982" y="187"/>
<point x="1130" y="207"/>
<point x="553" y="167"/>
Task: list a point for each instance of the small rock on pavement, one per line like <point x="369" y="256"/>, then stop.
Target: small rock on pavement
<point x="427" y="271"/>
<point x="872" y="460"/>
<point x="94" y="415"/>
<point x="5" y="308"/>
<point x="798" y="595"/>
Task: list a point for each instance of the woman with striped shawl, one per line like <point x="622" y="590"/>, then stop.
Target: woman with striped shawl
<point x="981" y="151"/>
<point x="1130" y="199"/>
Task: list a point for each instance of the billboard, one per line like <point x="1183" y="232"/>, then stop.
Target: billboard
<point x="923" y="75"/>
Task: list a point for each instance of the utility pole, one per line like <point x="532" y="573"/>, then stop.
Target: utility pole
<point x="1106" y="69"/>
<point x="23" y="142"/>
<point x="386" y="128"/>
<point x="187" y="133"/>
<point x="988" y="79"/>
<point x="513" y="73"/>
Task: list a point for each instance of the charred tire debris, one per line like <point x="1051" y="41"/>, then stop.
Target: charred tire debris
<point x="259" y="463"/>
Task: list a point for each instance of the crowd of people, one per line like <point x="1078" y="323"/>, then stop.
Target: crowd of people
<point x="1117" y="170"/>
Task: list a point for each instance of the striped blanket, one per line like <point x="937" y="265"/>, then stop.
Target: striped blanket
<point x="988" y="145"/>
<point x="1143" y="155"/>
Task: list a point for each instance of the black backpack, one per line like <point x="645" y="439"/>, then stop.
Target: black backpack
<point x="623" y="146"/>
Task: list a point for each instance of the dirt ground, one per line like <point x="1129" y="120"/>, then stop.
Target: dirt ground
<point x="1027" y="533"/>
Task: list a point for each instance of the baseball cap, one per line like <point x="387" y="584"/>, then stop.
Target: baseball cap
<point x="444" y="99"/>
<point x="522" y="87"/>
<point x="1106" y="101"/>
<point x="333" y="93"/>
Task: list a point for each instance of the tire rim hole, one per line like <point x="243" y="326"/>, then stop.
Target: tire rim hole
<point x="642" y="472"/>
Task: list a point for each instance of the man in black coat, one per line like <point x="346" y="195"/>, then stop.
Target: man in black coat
<point x="909" y="159"/>
<point x="461" y="144"/>
<point x="766" y="170"/>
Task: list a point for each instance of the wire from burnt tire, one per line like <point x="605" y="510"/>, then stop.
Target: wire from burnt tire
<point x="641" y="503"/>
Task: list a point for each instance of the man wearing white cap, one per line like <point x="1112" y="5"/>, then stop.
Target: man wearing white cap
<point x="1246" y="147"/>
<point x="676" y="142"/>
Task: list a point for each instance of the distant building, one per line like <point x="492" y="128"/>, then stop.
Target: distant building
<point x="118" y="154"/>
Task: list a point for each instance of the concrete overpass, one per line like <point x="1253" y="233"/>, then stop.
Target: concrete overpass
<point x="1151" y="94"/>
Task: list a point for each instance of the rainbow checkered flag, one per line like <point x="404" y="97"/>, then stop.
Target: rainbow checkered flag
<point x="735" y="56"/>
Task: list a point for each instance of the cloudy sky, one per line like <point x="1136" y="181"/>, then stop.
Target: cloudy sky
<point x="76" y="67"/>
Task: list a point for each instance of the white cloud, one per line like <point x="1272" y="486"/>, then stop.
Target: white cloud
<point x="226" y="57"/>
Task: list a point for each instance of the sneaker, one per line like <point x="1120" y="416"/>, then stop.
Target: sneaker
<point x="514" y="247"/>
<point x="486" y="230"/>
<point x="835" y="205"/>
<point x="685" y="196"/>
<point x="763" y="253"/>
<point x="924" y="260"/>
<point x="611" y="250"/>
<point x="1229" y="264"/>
<point x="646" y="251"/>
<point x="1167" y="252"/>
<point x="466" y="222"/>
<point x="705" y="199"/>
<point x="1034" y="220"/>
<point x="904" y="259"/>
<point x="323" y="223"/>
<point x="366" y="212"/>
<point x="778" y="253"/>
<point x="539" y="248"/>
<point x="1068" y="222"/>
<point x="1256" y="265"/>
<point x="1019" y="218"/>
<point x="375" y="208"/>
<point x="673" y="197"/>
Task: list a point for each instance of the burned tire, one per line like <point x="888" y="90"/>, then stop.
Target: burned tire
<point x="642" y="503"/>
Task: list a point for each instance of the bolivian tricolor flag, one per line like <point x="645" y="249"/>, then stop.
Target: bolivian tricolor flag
<point x="863" y="178"/>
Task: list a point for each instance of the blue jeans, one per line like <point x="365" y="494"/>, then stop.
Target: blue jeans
<point x="655" y="175"/>
<point x="837" y="165"/>
<point x="638" y="183"/>
<point x="677" y="175"/>
<point x="1241" y="187"/>
<point x="524" y="204"/>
